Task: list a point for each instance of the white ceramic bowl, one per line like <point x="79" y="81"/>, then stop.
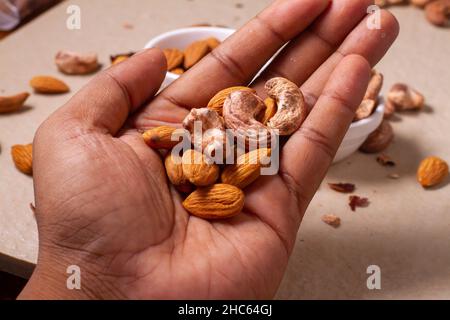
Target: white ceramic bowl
<point x="181" y="38"/>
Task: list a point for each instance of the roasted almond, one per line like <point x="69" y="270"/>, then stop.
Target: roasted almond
<point x="246" y="170"/>
<point x="197" y="169"/>
<point x="216" y="103"/>
<point x="174" y="170"/>
<point x="47" y="84"/>
<point x="174" y="58"/>
<point x="194" y="53"/>
<point x="219" y="201"/>
<point x="160" y="138"/>
<point x="22" y="156"/>
<point x="212" y="43"/>
<point x="432" y="171"/>
<point x="13" y="103"/>
<point x="115" y="59"/>
<point x="178" y="71"/>
<point x="271" y="109"/>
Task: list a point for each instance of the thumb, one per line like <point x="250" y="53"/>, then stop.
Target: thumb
<point x="107" y="100"/>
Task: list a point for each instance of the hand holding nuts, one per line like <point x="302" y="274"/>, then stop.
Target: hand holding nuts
<point x="242" y="112"/>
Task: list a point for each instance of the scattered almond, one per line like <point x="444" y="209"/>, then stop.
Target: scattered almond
<point x="47" y="84"/>
<point x="13" y="103"/>
<point x="22" y="156"/>
<point x="432" y="171"/>
<point x="219" y="201"/>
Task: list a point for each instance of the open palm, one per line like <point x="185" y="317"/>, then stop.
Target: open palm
<point x="102" y="198"/>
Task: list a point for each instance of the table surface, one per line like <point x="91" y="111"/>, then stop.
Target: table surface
<point x="405" y="230"/>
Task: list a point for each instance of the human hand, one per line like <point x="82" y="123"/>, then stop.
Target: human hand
<point x="102" y="198"/>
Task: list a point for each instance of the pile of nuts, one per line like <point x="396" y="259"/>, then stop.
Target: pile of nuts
<point x="179" y="62"/>
<point x="241" y="111"/>
<point x="437" y="12"/>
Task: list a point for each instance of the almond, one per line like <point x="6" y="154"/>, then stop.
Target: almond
<point x="13" y="103"/>
<point x="160" y="138"/>
<point x="47" y="84"/>
<point x="115" y="59"/>
<point x="175" y="174"/>
<point x="197" y="169"/>
<point x="219" y="201"/>
<point x="246" y="170"/>
<point x="194" y="53"/>
<point x="22" y="156"/>
<point x="216" y="103"/>
<point x="271" y="109"/>
<point x="212" y="43"/>
<point x="432" y="171"/>
<point x="174" y="58"/>
<point x="178" y="71"/>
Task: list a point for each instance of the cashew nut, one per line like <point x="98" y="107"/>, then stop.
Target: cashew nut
<point x="240" y="110"/>
<point x="374" y="87"/>
<point x="291" y="106"/>
<point x="212" y="138"/>
<point x="76" y="63"/>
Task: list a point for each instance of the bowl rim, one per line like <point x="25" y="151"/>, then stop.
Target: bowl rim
<point x="182" y="31"/>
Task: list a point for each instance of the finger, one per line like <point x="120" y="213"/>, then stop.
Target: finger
<point x="370" y="44"/>
<point x="238" y="59"/>
<point x="106" y="101"/>
<point x="309" y="152"/>
<point x="307" y="52"/>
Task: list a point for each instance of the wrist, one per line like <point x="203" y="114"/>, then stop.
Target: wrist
<point x="55" y="279"/>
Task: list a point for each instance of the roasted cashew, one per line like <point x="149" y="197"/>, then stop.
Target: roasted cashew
<point x="69" y="62"/>
<point x="290" y="103"/>
<point x="213" y="136"/>
<point x="239" y="111"/>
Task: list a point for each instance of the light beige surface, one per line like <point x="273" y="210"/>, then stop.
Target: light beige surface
<point x="405" y="231"/>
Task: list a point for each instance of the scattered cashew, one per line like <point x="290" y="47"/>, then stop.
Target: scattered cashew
<point x="404" y="97"/>
<point x="213" y="137"/>
<point x="290" y="103"/>
<point x="69" y="62"/>
<point x="438" y="12"/>
<point x="13" y="103"/>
